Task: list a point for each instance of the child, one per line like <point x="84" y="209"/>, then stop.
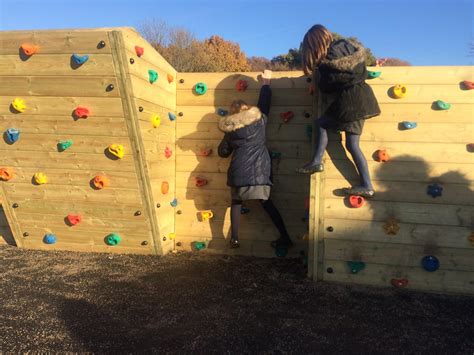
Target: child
<point x="249" y="174"/>
<point x="347" y="100"/>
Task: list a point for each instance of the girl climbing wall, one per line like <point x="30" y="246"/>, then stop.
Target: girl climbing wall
<point x="249" y="174"/>
<point x="346" y="99"/>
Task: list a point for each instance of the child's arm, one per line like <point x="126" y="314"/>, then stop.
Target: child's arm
<point x="224" y="150"/>
<point x="265" y="98"/>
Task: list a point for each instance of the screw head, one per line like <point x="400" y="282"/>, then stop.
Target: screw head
<point x="26" y="234"/>
<point x="164" y="239"/>
<point x="140" y="108"/>
<point x="110" y="87"/>
<point x="138" y="213"/>
<point x="307" y="115"/>
<point x="15" y="205"/>
<point x="144" y="242"/>
<point x="180" y="114"/>
<point x="181" y="81"/>
<point x="329" y="270"/>
<point x="101" y="44"/>
<point x="158" y="205"/>
<point x="132" y="60"/>
<point x="330" y="229"/>
<point x="179" y="212"/>
<point x="178" y="244"/>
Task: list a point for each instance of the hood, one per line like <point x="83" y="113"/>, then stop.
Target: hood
<point x="347" y="55"/>
<point x="239" y="120"/>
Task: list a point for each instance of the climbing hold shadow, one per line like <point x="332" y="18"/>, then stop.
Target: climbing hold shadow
<point x="430" y="263"/>
<point x="434" y="190"/>
<point x="165" y="187"/>
<point x="200" y="89"/>
<point x="39" y="179"/>
<point x="196" y="246"/>
<point x="77" y="60"/>
<point x="221" y="112"/>
<point x="62" y="146"/>
<point x="139" y="51"/>
<point x="152" y="76"/>
<point x="373" y="74"/>
<point x="112" y="239"/>
<point x="440" y="105"/>
<point x="355" y="266"/>
<point x="11" y="135"/>
<point x="99" y="182"/>
<point x="241" y="85"/>
<point x="6" y="174"/>
<point x="200" y="182"/>
<point x="168" y="152"/>
<point x="356" y="201"/>
<point x="391" y="227"/>
<point x="18" y="105"/>
<point x="397" y="91"/>
<point x="466" y="85"/>
<point x="72" y="219"/>
<point x="287" y="116"/>
<point x="80" y="112"/>
<point x="381" y="156"/>
<point x="171" y="116"/>
<point x="115" y="151"/>
<point x="49" y="238"/>
<point x="399" y="283"/>
<point x="406" y="125"/>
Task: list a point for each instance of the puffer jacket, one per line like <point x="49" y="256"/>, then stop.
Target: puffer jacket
<point x="345" y="95"/>
<point x="245" y="140"/>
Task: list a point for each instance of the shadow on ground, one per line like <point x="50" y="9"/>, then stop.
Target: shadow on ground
<point x="186" y="303"/>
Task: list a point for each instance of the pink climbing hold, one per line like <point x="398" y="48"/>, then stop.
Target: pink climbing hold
<point x="139" y="50"/>
<point x="241" y="85"/>
<point x="168" y="152"/>
<point x="356" y="201"/>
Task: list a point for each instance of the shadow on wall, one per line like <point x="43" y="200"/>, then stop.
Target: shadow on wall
<point x="5" y="231"/>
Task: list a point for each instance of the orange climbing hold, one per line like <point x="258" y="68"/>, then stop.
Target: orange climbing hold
<point x="165" y="187"/>
<point x="356" y="201"/>
<point x="73" y="219"/>
<point x="468" y="85"/>
<point x="6" y="174"/>
<point x="241" y="85"/>
<point x="81" y="112"/>
<point x="100" y="182"/>
<point x="170" y="78"/>
<point x="29" y="49"/>
<point x="139" y="51"/>
<point x="399" y="283"/>
<point x="382" y="156"/>
<point x="200" y="182"/>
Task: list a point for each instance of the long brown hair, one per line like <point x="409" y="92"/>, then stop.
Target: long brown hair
<point x="315" y="47"/>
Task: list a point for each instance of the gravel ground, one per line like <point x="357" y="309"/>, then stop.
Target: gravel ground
<point x="62" y="301"/>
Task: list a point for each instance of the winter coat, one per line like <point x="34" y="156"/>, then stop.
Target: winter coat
<point x="344" y="94"/>
<point x="245" y="139"/>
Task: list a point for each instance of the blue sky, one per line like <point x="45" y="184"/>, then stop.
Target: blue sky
<point x="424" y="32"/>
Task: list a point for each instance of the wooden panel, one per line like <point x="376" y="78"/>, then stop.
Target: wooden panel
<point x="6" y="236"/>
<point x="139" y="70"/>
<point x="154" y="94"/>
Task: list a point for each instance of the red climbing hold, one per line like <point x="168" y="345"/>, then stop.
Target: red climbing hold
<point x="241" y="85"/>
<point x="81" y="112"/>
<point x="139" y="51"/>
<point x="6" y="174"/>
<point x="200" y="182"/>
<point x="168" y="152"/>
<point x="382" y="156"/>
<point x="100" y="182"/>
<point x="356" y="201"/>
<point x="205" y="152"/>
<point x="399" y="283"/>
<point x="287" y="116"/>
<point x="74" y="219"/>
<point x="311" y="89"/>
<point x="29" y="49"/>
<point x="468" y="85"/>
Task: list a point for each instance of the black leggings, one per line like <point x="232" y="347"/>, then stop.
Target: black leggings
<point x="268" y="206"/>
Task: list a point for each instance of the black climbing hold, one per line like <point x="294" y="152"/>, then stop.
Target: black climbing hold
<point x="330" y="229"/>
<point x="110" y="87"/>
<point x="164" y="239"/>
<point x="15" y="205"/>
<point x="329" y="270"/>
<point x="158" y="205"/>
<point x="179" y="212"/>
<point x="140" y="108"/>
<point x="178" y="244"/>
<point x="307" y="115"/>
<point x="180" y="114"/>
<point x="144" y="242"/>
<point x="181" y="81"/>
<point x="26" y="234"/>
<point x="138" y="213"/>
<point x="101" y="44"/>
<point x="132" y="60"/>
<point x="308" y="79"/>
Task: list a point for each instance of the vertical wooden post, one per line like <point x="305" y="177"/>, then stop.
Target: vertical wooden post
<point x="11" y="219"/>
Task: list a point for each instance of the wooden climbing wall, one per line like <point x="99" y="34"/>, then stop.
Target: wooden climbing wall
<point x="438" y="152"/>
<point x="52" y="85"/>
<point x="197" y="132"/>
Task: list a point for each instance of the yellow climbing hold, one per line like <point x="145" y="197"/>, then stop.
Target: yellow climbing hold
<point x="156" y="121"/>
<point x="171" y="236"/>
<point x="399" y="91"/>
<point x="116" y="150"/>
<point x="40" y="178"/>
<point x="19" y="105"/>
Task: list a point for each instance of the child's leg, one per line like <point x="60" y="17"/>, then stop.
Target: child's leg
<point x="235" y="212"/>
<point x="320" y="147"/>
<point x="277" y="220"/>
<point x="352" y="145"/>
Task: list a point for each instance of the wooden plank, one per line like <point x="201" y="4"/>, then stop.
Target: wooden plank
<point x="55" y="42"/>
<point x="423" y="213"/>
<point x="151" y="93"/>
<point x="9" y="214"/>
<point x="56" y="64"/>
<point x="84" y="86"/>
<point x="418" y="279"/>
<point x="398" y="254"/>
<point x="409" y="233"/>
<point x="64" y="106"/>
<point x="139" y="70"/>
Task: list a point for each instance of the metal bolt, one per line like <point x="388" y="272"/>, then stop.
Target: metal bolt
<point x="110" y="87"/>
<point x="164" y="239"/>
<point x="138" y="213"/>
<point x="330" y="229"/>
<point x="307" y="115"/>
<point x="329" y="270"/>
<point x="26" y="234"/>
<point x="181" y="81"/>
<point x="144" y="242"/>
<point x="132" y="60"/>
<point x="308" y="79"/>
<point x="140" y="108"/>
<point x="179" y="212"/>
<point x="15" y="205"/>
<point x="178" y="244"/>
<point x="180" y="114"/>
<point x="158" y="205"/>
<point x="101" y="44"/>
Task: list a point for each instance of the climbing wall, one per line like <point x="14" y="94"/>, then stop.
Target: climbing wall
<point x="201" y="173"/>
<point x="417" y="232"/>
<point x="72" y="159"/>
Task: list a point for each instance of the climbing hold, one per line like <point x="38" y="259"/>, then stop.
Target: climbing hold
<point x="441" y="105"/>
<point x="170" y="78"/>
<point x="137" y="213"/>
<point x="199" y="245"/>
<point x="172" y="236"/>
<point x="399" y="91"/>
<point x="468" y="85"/>
<point x="281" y="252"/>
<point x="241" y="85"/>
<point x="309" y="132"/>
<point x="287" y="116"/>
<point x="174" y="203"/>
<point x="244" y="210"/>
<point x="206" y="215"/>
<point x="274" y="154"/>
<point x="62" y="146"/>
<point x="156" y="121"/>
<point x="222" y="112"/>
<point x="200" y="182"/>
<point x="112" y="239"/>
<point x="79" y="59"/>
<point x="49" y="238"/>
<point x="471" y="238"/>
<point x="100" y="182"/>
<point x="382" y="156"/>
<point x="430" y="263"/>
<point x="356" y="266"/>
<point x="29" y="49"/>
<point x="152" y="76"/>
<point x="12" y="135"/>
<point x="200" y="88"/>
<point x="40" y="178"/>
<point x="391" y="227"/>
<point x="139" y="51"/>
<point x="356" y="201"/>
<point x="470" y="147"/>
<point x="373" y="74"/>
<point x="399" y="283"/>
<point x="165" y="187"/>
<point x="205" y="152"/>
<point x="434" y="190"/>
<point x="81" y="112"/>
<point x="168" y="152"/>
<point x="171" y="116"/>
<point x="101" y="45"/>
<point x="74" y="219"/>
<point x="408" y="125"/>
<point x="116" y="150"/>
<point x="6" y="174"/>
<point x="19" y="105"/>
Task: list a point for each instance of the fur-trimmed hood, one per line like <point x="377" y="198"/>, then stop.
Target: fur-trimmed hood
<point x="347" y="61"/>
<point x="240" y="120"/>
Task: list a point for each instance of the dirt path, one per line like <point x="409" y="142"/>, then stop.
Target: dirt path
<point x="99" y="303"/>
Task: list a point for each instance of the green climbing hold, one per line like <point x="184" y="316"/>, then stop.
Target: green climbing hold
<point x="356" y="266"/>
<point x="112" y="239"/>
<point x="309" y="132"/>
<point x="275" y="155"/>
<point x="152" y="76"/>
<point x="373" y="74"/>
<point x="441" y="105"/>
<point x="199" y="245"/>
<point x="200" y="88"/>
<point x="62" y="146"/>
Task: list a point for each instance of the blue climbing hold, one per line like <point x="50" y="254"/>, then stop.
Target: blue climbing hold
<point x="12" y="135"/>
<point x="408" y="125"/>
<point x="171" y="116"/>
<point x="434" y="190"/>
<point x="430" y="263"/>
<point x="222" y="112"/>
<point x="80" y="59"/>
<point x="356" y="266"/>
<point x="49" y="238"/>
<point x="174" y="203"/>
<point x="244" y="210"/>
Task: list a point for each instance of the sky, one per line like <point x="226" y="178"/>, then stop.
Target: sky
<point x="424" y="32"/>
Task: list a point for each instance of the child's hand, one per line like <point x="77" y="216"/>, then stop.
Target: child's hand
<point x="266" y="77"/>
